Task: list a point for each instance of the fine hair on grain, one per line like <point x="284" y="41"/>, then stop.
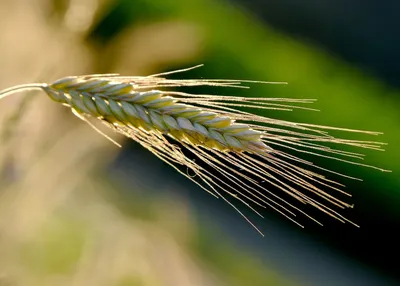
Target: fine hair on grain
<point x="233" y="153"/>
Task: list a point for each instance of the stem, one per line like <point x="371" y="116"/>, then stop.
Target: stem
<point x="17" y="88"/>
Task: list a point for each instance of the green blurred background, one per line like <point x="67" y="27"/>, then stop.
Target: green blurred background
<point x="76" y="210"/>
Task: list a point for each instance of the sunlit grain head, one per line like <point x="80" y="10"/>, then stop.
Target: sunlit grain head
<point x="211" y="140"/>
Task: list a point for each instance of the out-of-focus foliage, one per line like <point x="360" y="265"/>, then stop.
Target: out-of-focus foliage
<point x="60" y="223"/>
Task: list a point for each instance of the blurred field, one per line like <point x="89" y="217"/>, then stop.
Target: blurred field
<point x="65" y="219"/>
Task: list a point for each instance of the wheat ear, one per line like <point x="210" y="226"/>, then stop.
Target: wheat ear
<point x="238" y="145"/>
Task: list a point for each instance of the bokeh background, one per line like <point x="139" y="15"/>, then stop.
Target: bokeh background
<point x="76" y="210"/>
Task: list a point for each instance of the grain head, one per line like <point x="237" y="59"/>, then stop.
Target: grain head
<point x="240" y="153"/>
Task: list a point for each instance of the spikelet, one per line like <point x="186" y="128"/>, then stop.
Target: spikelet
<point x="239" y="146"/>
